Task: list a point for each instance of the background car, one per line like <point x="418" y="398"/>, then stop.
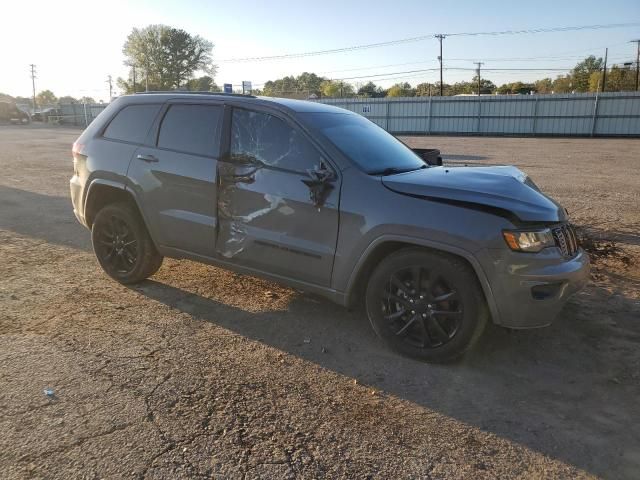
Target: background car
<point x="10" y="113"/>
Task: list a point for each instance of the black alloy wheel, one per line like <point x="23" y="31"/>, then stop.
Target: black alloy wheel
<point x="122" y="244"/>
<point x="117" y="245"/>
<point x="421" y="307"/>
<point x="426" y="304"/>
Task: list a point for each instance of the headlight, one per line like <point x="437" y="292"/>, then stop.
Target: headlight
<point x="528" y="240"/>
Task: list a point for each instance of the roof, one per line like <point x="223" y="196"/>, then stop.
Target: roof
<point x="298" y="106"/>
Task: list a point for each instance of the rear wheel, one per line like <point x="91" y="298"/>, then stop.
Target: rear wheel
<point x="426" y="305"/>
<point x="122" y="244"/>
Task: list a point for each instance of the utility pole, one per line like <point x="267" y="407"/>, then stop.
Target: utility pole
<point x="604" y="72"/>
<point x="479" y="64"/>
<point x="637" y="61"/>
<point x="440" y="37"/>
<point x="110" y="82"/>
<point x="33" y="84"/>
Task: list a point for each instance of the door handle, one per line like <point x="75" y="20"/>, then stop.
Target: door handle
<point x="147" y="158"/>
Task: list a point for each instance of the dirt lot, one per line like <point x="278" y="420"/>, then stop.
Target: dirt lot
<point x="200" y="373"/>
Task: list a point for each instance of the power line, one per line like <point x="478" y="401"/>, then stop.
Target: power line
<point x="426" y="37"/>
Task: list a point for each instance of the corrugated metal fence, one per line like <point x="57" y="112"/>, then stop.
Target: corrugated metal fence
<point x="80" y="114"/>
<point x="583" y="114"/>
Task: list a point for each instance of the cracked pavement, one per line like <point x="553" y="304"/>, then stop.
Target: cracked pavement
<point x="202" y="373"/>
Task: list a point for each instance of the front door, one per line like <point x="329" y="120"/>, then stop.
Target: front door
<point x="277" y="211"/>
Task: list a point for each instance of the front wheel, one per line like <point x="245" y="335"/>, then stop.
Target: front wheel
<point x="122" y="244"/>
<point x="426" y="305"/>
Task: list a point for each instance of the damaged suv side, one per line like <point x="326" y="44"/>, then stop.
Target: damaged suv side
<point x="323" y="200"/>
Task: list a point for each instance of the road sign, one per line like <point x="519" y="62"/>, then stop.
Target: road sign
<point x="246" y="86"/>
<point x="228" y="88"/>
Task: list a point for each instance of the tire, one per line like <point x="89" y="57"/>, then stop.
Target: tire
<point x="122" y="244"/>
<point x="443" y="313"/>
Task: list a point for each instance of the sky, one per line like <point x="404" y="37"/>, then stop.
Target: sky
<point x="75" y="44"/>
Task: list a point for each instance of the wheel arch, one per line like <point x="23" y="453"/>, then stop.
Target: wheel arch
<point x="388" y="244"/>
<point x="105" y="192"/>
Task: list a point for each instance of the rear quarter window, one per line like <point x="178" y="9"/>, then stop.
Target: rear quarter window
<point x="132" y="123"/>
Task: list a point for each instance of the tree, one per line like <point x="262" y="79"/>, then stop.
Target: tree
<point x="563" y="84"/>
<point x="46" y="97"/>
<point x="370" y="90"/>
<point x="304" y="85"/>
<point x="516" y="88"/>
<point x="203" y="84"/>
<point x="165" y="57"/>
<point x="581" y="73"/>
<point x="67" y="99"/>
<point x="623" y="79"/>
<point x="87" y="100"/>
<point x="337" y="89"/>
<point x="425" y="90"/>
<point x="401" y="90"/>
<point x="544" y="85"/>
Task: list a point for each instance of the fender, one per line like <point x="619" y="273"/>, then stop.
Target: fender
<point x="119" y="186"/>
<point x="102" y="182"/>
<point x="422" y="242"/>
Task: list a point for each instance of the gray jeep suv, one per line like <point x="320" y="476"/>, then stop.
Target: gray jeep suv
<point x="323" y="200"/>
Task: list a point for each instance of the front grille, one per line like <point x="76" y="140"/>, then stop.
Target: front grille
<point x="566" y="239"/>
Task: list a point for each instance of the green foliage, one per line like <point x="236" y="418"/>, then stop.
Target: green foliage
<point x="302" y="86"/>
<point x="516" y="88"/>
<point x="371" y="90"/>
<point x="425" y="90"/>
<point x="67" y="99"/>
<point x="46" y="97"/>
<point x="203" y="84"/>
<point x="619" y="79"/>
<point x="401" y="90"/>
<point x="563" y="84"/>
<point x="337" y="89"/>
<point x="581" y="73"/>
<point x="164" y="58"/>
<point x="544" y="85"/>
<point x="87" y="100"/>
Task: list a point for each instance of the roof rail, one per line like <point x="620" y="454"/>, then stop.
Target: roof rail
<point x="187" y="92"/>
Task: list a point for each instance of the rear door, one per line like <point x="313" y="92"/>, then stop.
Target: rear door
<point x="275" y="211"/>
<point x="174" y="176"/>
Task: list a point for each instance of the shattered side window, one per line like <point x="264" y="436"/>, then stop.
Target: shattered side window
<point x="260" y="137"/>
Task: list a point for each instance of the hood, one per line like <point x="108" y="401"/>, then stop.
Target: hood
<point x="504" y="188"/>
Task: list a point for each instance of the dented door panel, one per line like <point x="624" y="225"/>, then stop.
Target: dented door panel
<point x="268" y="220"/>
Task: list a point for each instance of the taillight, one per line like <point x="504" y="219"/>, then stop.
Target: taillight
<point x="77" y="148"/>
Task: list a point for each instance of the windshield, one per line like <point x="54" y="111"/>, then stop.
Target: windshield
<point x="369" y="146"/>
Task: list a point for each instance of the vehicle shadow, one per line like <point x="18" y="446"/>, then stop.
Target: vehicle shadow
<point x="46" y="217"/>
<point x="559" y="391"/>
<point x="569" y="391"/>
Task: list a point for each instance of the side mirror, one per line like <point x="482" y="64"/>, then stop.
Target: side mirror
<point x="431" y="156"/>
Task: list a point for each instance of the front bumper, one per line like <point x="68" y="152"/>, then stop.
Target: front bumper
<point x="530" y="289"/>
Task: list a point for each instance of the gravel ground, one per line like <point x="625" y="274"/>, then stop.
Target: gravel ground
<point x="202" y="373"/>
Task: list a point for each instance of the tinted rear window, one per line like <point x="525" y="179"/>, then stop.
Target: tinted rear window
<point x="191" y="129"/>
<point x="132" y="123"/>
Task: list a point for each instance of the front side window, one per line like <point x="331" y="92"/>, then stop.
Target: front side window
<point x="263" y="138"/>
<point x="365" y="143"/>
<point x="132" y="123"/>
<point x="191" y="129"/>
